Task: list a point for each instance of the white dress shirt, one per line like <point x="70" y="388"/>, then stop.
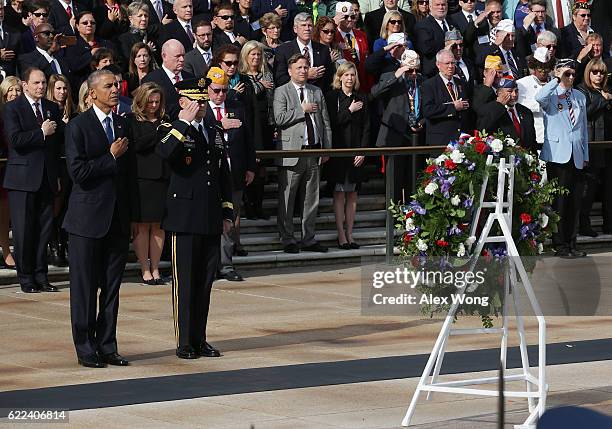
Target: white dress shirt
<point x="214" y="107"/>
<point x="204" y="53"/>
<point x="231" y="36"/>
<point x="50" y="59"/>
<point x="171" y="74"/>
<point x="31" y="101"/>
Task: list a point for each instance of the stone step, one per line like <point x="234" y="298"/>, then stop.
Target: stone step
<point x="376" y="185"/>
<point x="326" y="205"/>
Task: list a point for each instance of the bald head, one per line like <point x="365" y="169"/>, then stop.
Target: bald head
<point x="173" y="55"/>
<point x="43" y="36"/>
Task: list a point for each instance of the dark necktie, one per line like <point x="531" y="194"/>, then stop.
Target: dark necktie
<point x="108" y="130"/>
<point x="444" y="26"/>
<point x="517" y="124"/>
<point x="189" y="33"/>
<point x="570" y="107"/>
<point x="470" y="18"/>
<point x="309" y="126"/>
<point x="512" y="65"/>
<point x="460" y="72"/>
<point x="39" y="117"/>
<point x="307" y="54"/>
<point x="451" y="90"/>
<point x="53" y="67"/>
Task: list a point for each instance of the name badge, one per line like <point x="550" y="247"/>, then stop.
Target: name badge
<point x="483" y="40"/>
<point x="255" y="25"/>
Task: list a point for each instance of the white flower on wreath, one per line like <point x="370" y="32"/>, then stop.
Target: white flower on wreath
<point x="455" y="200"/>
<point x="421" y="245"/>
<point x="470" y="240"/>
<point x="540" y="248"/>
<point x="461" y="251"/>
<point x="440" y="160"/>
<point x="410" y="224"/>
<point x="431" y="188"/>
<point x="457" y="156"/>
<point x="529" y="159"/>
<point x="510" y="142"/>
<point x="497" y="145"/>
<point x="543" y="220"/>
<point x="471" y="139"/>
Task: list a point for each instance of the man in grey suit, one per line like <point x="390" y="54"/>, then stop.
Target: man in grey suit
<point x="301" y="114"/>
<point x="197" y="61"/>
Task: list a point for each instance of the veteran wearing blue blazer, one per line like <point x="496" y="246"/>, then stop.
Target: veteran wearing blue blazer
<point x="565" y="150"/>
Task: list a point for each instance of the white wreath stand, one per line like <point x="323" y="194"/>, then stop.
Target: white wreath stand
<point x="536" y="388"/>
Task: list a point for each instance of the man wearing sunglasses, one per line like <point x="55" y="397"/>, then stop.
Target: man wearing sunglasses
<point x="565" y="150"/>
<point x="48" y="56"/>
<point x="354" y="43"/>
<point x="37" y="13"/>
<point x="534" y="24"/>
<point x="465" y="15"/>
<point x="224" y="34"/>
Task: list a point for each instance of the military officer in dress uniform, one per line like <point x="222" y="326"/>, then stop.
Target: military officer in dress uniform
<point x="198" y="211"/>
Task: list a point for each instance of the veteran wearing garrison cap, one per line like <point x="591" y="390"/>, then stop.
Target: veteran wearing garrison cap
<point x="565" y="150"/>
<point x="198" y="209"/>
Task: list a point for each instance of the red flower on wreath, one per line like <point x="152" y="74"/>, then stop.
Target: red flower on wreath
<point x="442" y="243"/>
<point x="407" y="238"/>
<point x="480" y="147"/>
<point x="409" y="214"/>
<point x="535" y="176"/>
<point x="430" y="169"/>
<point x="450" y="164"/>
<point x="525" y="218"/>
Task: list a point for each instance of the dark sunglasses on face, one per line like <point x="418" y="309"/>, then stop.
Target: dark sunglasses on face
<point x="225" y="17"/>
<point x="39" y="14"/>
<point x="550" y="46"/>
<point x="87" y="22"/>
<point x="569" y="74"/>
<point x="218" y="90"/>
<point x="395" y="21"/>
<point x="584" y="15"/>
<point x="47" y="33"/>
<point x="350" y="17"/>
<point x="230" y="63"/>
<point x="328" y="32"/>
<point x="423" y="2"/>
<point x="411" y="71"/>
<point x="598" y="72"/>
<point x="468" y="1"/>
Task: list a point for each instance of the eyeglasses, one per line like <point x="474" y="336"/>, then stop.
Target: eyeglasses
<point x="328" y="32"/>
<point x="584" y="15"/>
<point x="350" y="17"/>
<point x="598" y="72"/>
<point x="569" y="74"/>
<point x="47" y="33"/>
<point x="460" y="45"/>
<point x="87" y="22"/>
<point x="218" y="90"/>
<point x="39" y="14"/>
<point x="550" y="46"/>
<point x="468" y="1"/>
<point x="225" y="17"/>
<point x="395" y="21"/>
<point x="230" y="63"/>
<point x="411" y="71"/>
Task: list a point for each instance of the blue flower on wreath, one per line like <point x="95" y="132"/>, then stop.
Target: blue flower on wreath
<point x="417" y="208"/>
<point x="468" y="203"/>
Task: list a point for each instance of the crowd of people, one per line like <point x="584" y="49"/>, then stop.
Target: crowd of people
<point x="128" y="92"/>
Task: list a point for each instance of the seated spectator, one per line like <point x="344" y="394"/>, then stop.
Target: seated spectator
<point x="574" y="36"/>
<point x="10" y="89"/>
<point x="392" y="23"/>
<point x="374" y="20"/>
<point x="420" y="9"/>
<point x="139" y="30"/>
<point x="349" y="120"/>
<point x="224" y="33"/>
<point x="47" y="56"/>
<point x="140" y="64"/>
<point x="58" y="90"/>
<point x="148" y="181"/>
<point x="598" y="174"/>
<point x="37" y="13"/>
<point x="84" y="98"/>
<point x="353" y="42"/>
<point x="271" y="25"/>
<point x="325" y="34"/>
<point x="198" y="60"/>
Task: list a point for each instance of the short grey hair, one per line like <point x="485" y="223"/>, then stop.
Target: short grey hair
<point x="431" y="3"/>
<point x="136" y="7"/>
<point x="301" y="17"/>
<point x="444" y="52"/>
<point x="94" y="77"/>
<point x="546" y="36"/>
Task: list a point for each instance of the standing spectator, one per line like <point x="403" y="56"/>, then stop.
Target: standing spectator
<point x="62" y="16"/>
<point x="566" y="151"/>
<point x="301" y="114"/>
<point x="486" y="91"/>
<point x="420" y="9"/>
<point x="112" y="19"/>
<point x="594" y="50"/>
<point x="198" y="60"/>
<point x="429" y="35"/>
<point x="140" y="64"/>
<point x="478" y="34"/>
<point x="354" y="42"/>
<point x="359" y="24"/>
<point x="574" y="35"/>
<point x="180" y="29"/>
<point x="467" y="15"/>
<point x="285" y="9"/>
<point x="392" y="23"/>
<point x="149" y="181"/>
<point x="37" y="14"/>
<point x="10" y="47"/>
<point x="548" y="40"/>
<point x="560" y="11"/>
<point x="325" y="34"/>
<point x="101" y="58"/>
<point x="59" y="91"/>
<point x="170" y="73"/>
<point x="271" y="29"/>
<point x="350" y="123"/>
<point x="532" y="26"/>
<point x="241" y="153"/>
<point x="368" y="6"/>
<point x="445" y="102"/>
<point x="160" y="13"/>
<point x="84" y="99"/>
<point x="34" y="129"/>
<point x="321" y="68"/>
<point x="224" y="33"/>
<point x="140" y="31"/>
<point x="503" y="47"/>
<point x="540" y="65"/>
<point x="245" y="22"/>
<point x="47" y="56"/>
<point x="373" y="20"/>
<point x="98" y="221"/>
<point x="227" y="59"/>
<point x="10" y="89"/>
<point x="388" y="58"/>
<point x="260" y="80"/>
<point x="597" y="174"/>
<point x="13" y="13"/>
<point x="464" y="68"/>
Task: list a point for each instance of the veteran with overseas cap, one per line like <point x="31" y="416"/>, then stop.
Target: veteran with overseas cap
<point x="198" y="210"/>
<point x="565" y="150"/>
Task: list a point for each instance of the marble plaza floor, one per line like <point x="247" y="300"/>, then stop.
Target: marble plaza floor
<point x="297" y="353"/>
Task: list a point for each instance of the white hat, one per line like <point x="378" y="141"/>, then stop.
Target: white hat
<point x="506" y="25"/>
<point x="395" y="38"/>
<point x="344" y="8"/>
<point x="542" y="54"/>
<point x="411" y="59"/>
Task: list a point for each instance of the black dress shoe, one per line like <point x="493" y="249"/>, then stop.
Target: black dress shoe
<point x="564" y="253"/>
<point x="291" y="248"/>
<point x="354" y="245"/>
<point x="207" y="350"/>
<point x="240" y="251"/>
<point x="588" y="232"/>
<point x="150" y="282"/>
<point x="114" y="359"/>
<point x="90" y="361"/>
<point x="578" y="253"/>
<point x="30" y="288"/>
<point x="315" y="248"/>
<point x="47" y="287"/>
<point x="159" y="281"/>
<point x="232" y="276"/>
<point x="186" y="352"/>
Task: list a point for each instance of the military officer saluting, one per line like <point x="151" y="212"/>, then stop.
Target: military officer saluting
<point x="198" y="210"/>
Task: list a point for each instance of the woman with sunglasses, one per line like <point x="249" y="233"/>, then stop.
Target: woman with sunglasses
<point x="325" y="33"/>
<point x="392" y="23"/>
<point x="574" y="35"/>
<point x="599" y="170"/>
<point x="37" y="13"/>
<point x="226" y="58"/>
<point x="420" y="9"/>
<point x="80" y="55"/>
<point x="271" y="25"/>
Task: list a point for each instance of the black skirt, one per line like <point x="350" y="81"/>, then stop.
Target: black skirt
<point x="150" y="200"/>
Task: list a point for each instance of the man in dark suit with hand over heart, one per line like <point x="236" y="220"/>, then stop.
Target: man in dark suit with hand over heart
<point x="98" y="221"/>
<point x="34" y="130"/>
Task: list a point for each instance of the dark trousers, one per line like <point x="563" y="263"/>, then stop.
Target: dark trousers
<point x="194" y="265"/>
<point x="32" y="224"/>
<point x="568" y="206"/>
<point x="96" y="263"/>
<point x="598" y="183"/>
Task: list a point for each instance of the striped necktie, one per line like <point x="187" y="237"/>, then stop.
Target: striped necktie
<point x="570" y="107"/>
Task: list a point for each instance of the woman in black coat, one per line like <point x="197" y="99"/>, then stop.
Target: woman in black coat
<point x="149" y="181"/>
<point x="350" y="123"/>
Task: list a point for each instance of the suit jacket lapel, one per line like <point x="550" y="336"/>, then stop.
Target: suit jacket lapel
<point x="98" y="125"/>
